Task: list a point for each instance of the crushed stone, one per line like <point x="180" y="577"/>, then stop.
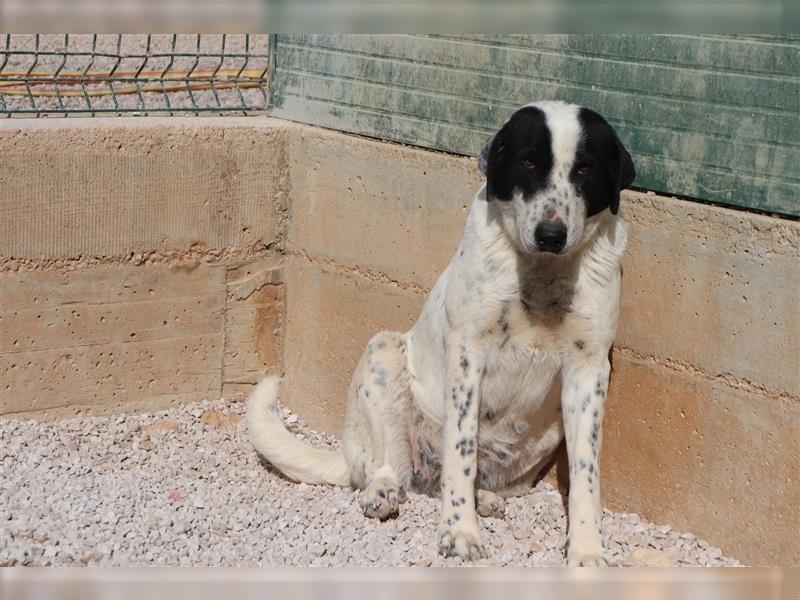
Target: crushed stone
<point x="185" y="487"/>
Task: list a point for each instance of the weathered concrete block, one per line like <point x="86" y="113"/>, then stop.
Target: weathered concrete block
<point x="714" y="288"/>
<point x="113" y="187"/>
<point x="110" y="336"/>
<point x="690" y="451"/>
<point x="380" y="207"/>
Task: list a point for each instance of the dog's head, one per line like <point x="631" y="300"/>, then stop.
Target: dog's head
<point x="550" y="168"/>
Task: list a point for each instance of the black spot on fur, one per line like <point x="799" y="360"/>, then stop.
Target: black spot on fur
<point x="579" y="344"/>
<point x="599" y="388"/>
<point x="381" y="375"/>
<point x="466" y="446"/>
<point x="503" y="323"/>
<point x="462" y="414"/>
<point x="464" y="364"/>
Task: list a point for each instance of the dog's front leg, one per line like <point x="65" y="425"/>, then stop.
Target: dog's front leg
<point x="583" y="403"/>
<point x="458" y="528"/>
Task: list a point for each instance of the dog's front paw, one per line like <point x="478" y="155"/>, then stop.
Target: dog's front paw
<point x="382" y="499"/>
<point x="586" y="560"/>
<point x="460" y="542"/>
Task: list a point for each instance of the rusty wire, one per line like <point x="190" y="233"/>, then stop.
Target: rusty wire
<point x="130" y="73"/>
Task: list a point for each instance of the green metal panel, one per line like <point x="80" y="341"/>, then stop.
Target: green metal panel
<point x="709" y="117"/>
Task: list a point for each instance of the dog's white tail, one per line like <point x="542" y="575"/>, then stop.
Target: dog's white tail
<point x="291" y="456"/>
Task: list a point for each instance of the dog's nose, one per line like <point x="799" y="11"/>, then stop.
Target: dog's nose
<point x="551" y="236"/>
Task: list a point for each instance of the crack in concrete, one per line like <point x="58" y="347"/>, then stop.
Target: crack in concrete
<point x="252" y="291"/>
<point x="369" y="274"/>
<point x="677" y="366"/>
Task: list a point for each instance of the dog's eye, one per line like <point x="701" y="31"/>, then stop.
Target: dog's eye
<point x="529" y="163"/>
<point x="584" y="169"/>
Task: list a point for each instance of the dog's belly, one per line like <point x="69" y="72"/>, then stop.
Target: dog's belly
<point x="520" y="419"/>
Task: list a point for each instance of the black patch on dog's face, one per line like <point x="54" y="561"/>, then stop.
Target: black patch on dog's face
<point x="610" y="166"/>
<point x="519" y="156"/>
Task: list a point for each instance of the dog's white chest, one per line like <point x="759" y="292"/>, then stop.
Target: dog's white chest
<point x="521" y="358"/>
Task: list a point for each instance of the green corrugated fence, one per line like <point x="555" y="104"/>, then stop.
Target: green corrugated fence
<point x="709" y="117"/>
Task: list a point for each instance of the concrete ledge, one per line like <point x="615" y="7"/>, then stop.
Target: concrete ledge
<point x="231" y="247"/>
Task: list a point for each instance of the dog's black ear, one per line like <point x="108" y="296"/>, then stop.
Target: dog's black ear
<point x="491" y="157"/>
<point x="483" y="157"/>
<point x="625" y="174"/>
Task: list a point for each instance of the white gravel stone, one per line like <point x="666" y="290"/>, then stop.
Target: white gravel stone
<point x="165" y="489"/>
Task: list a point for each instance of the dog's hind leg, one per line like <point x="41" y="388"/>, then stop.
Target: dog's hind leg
<point x="376" y="436"/>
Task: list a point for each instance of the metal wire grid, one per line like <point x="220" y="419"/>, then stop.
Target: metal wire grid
<point x="133" y="73"/>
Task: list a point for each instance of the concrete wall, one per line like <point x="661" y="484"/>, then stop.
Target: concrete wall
<point x="140" y="260"/>
<point x="288" y="247"/>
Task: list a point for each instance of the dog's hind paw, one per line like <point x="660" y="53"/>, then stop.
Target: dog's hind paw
<point x="381" y="500"/>
<point x="490" y="504"/>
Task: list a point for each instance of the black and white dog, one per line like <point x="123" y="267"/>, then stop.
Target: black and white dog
<point x="510" y="353"/>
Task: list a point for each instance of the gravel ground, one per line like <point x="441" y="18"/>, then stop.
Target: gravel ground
<point x="26" y="56"/>
<point x="184" y="487"/>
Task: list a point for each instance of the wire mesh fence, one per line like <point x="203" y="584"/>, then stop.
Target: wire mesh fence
<point x="149" y="74"/>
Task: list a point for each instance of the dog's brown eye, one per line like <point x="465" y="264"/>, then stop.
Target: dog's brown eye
<point x="584" y="169"/>
<point x="531" y="164"/>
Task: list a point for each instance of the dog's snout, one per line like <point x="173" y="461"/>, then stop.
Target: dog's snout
<point x="551" y="236"/>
